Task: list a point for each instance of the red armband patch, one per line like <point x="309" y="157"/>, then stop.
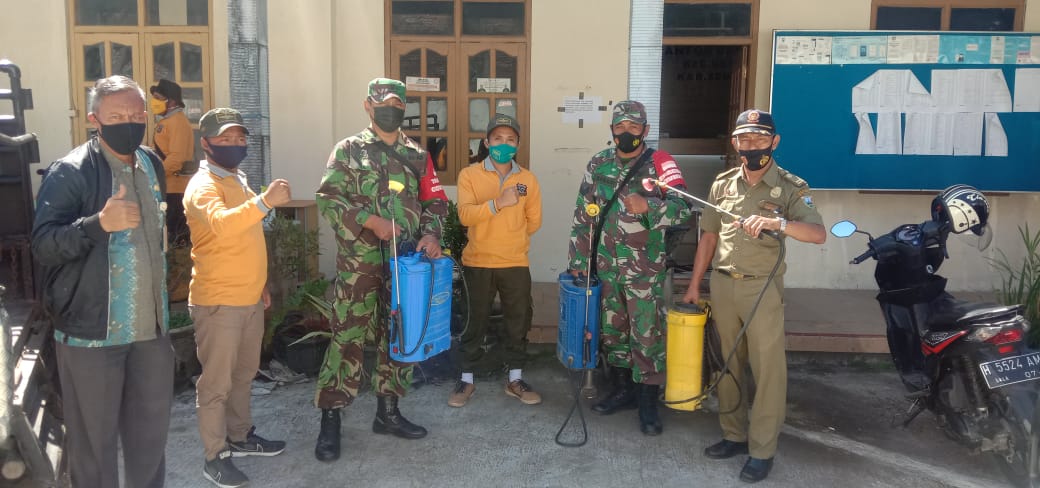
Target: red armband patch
<point x="430" y="186"/>
<point x="667" y="170"/>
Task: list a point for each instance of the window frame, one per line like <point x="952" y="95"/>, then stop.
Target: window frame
<point x="947" y="7"/>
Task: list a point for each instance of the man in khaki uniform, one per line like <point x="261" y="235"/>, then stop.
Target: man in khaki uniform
<point x="771" y="199"/>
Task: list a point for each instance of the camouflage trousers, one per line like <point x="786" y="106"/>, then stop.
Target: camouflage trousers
<point x="360" y="320"/>
<point x="633" y="327"/>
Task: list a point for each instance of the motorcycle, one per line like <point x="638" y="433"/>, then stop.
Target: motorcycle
<point x="968" y="363"/>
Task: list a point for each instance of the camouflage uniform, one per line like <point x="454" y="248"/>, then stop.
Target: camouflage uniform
<point x="355" y="186"/>
<point x="631" y="262"/>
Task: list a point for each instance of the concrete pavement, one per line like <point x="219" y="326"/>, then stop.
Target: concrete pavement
<point x="839" y="433"/>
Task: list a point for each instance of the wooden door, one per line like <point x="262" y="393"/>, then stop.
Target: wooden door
<point x="96" y="56"/>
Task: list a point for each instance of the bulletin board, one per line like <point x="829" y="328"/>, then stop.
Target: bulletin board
<point x="908" y="110"/>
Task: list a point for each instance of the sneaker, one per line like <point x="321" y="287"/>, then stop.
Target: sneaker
<point x="520" y="389"/>
<point x="463" y="391"/>
<point x="222" y="473"/>
<point x="255" y="445"/>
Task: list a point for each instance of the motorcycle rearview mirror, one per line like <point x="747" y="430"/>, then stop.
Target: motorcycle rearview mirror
<point x="846" y="228"/>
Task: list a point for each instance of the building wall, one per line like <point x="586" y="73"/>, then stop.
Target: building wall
<point x="45" y="69"/>
<point x="559" y="151"/>
<point x="319" y="77"/>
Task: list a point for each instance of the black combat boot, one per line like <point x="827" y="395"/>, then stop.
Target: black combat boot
<point x="390" y="421"/>
<point x="622" y="397"/>
<point x="327" y="448"/>
<point x="649" y="422"/>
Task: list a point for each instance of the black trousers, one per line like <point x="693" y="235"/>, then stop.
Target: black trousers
<point x="513" y="286"/>
<point x="117" y="392"/>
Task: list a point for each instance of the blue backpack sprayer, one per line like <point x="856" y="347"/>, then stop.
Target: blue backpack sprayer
<point x="420" y="307"/>
<point x="577" y="341"/>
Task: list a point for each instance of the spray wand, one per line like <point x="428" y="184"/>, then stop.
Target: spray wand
<point x="592" y="210"/>
<point x="395" y="187"/>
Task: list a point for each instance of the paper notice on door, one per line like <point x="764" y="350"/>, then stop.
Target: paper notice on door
<point x="418" y="83"/>
<point x="1027" y="90"/>
<point x="494" y="85"/>
<point x="889" y="133"/>
<point x="865" y="143"/>
<point x="967" y="134"/>
<point x="996" y="138"/>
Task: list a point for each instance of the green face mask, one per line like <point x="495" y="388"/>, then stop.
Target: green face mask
<point x="502" y="153"/>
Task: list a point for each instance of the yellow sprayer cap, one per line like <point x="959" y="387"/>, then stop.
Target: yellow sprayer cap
<point x="592" y="209"/>
<point x="396" y="186"/>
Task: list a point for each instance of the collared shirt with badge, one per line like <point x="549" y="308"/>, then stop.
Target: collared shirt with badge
<point x="778" y="194"/>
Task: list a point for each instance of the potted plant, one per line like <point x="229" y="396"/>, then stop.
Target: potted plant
<point x="300" y="330"/>
<point x="1020" y="284"/>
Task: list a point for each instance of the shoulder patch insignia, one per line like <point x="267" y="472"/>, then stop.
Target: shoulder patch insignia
<point x="158" y="129"/>
<point x="793" y="179"/>
<point x="728" y="173"/>
<point x="803" y="192"/>
<point x="808" y="201"/>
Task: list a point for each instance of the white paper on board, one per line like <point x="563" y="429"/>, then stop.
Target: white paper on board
<point x="996" y="138"/>
<point x="944" y="90"/>
<point x="889" y="133"/>
<point x="866" y="95"/>
<point x="865" y="143"/>
<point x="967" y="134"/>
<point x="1027" y="90"/>
<point x="928" y="134"/>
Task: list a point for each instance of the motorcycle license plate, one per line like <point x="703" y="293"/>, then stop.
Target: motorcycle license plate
<point x="1008" y="371"/>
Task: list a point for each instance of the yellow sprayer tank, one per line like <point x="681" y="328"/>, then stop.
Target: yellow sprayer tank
<point x="685" y="354"/>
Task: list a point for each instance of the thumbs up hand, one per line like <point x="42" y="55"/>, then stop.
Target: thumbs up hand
<point x="119" y="214"/>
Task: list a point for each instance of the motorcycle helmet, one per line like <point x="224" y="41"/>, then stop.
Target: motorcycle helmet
<point x="962" y="207"/>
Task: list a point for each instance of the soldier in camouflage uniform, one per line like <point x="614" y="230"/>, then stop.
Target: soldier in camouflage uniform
<point x="356" y="199"/>
<point x="631" y="259"/>
<point x="772" y="199"/>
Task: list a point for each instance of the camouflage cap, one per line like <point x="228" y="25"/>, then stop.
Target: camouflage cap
<point x="756" y="121"/>
<point x="381" y="89"/>
<point x="629" y="110"/>
<point x="503" y="120"/>
<point x="218" y="120"/>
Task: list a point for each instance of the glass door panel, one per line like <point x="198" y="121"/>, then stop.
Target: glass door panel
<point x="426" y="69"/>
<point x="496" y="77"/>
<point x="97" y="56"/>
<point x="185" y="60"/>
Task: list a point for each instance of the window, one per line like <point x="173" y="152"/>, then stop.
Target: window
<point x="951" y="15"/>
<point x="707" y="19"/>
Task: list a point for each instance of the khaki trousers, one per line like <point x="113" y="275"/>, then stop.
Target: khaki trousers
<point x="228" y="340"/>
<point x="763" y="349"/>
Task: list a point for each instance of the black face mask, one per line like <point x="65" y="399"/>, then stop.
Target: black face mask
<point x="627" y="143"/>
<point x="388" y="119"/>
<point x="228" y="157"/>
<point x="123" y="138"/>
<point x="756" y="158"/>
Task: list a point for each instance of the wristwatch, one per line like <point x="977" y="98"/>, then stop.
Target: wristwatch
<point x="783" y="224"/>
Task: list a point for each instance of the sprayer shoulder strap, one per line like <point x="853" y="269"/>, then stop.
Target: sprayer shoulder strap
<point x="593" y="250"/>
